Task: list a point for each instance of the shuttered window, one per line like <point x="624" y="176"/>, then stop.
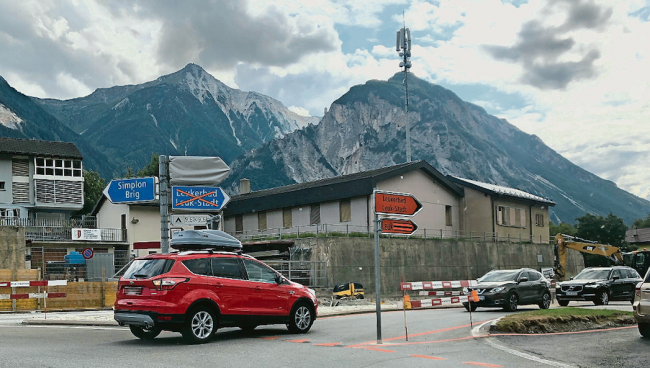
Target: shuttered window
<point x="314" y="214"/>
<point x="287" y="218"/>
<point x="539" y="220"/>
<point x="59" y="191"/>
<point x="345" y="212"/>
<point x="19" y="167"/>
<point x="239" y="224"/>
<point x="261" y="220"/>
<point x="20" y="192"/>
<point x="510" y="216"/>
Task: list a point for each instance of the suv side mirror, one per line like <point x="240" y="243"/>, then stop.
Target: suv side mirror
<point x="615" y="278"/>
<point x="571" y="277"/>
<point x="523" y="279"/>
<point x="278" y="279"/>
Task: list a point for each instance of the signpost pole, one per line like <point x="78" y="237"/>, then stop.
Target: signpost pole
<point x="377" y="280"/>
<point x="164" y="204"/>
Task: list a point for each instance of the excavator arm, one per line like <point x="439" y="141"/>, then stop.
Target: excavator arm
<point x="564" y="242"/>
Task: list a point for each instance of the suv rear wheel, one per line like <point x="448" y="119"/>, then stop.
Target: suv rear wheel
<point x="144" y="333"/>
<point x="301" y="319"/>
<point x="200" y="325"/>
<point x="545" y="303"/>
<point x="644" y="329"/>
<point x="563" y="303"/>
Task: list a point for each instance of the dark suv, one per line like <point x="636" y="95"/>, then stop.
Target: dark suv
<point x="509" y="288"/>
<point x="195" y="292"/>
<point x="600" y="285"/>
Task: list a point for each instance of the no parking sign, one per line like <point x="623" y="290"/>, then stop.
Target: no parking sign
<point x="88" y="253"/>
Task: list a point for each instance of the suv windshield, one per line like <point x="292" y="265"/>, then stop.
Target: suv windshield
<point x="147" y="268"/>
<point x="495" y="276"/>
<point x="601" y="274"/>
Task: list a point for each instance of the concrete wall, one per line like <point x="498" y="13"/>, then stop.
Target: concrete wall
<point x="6" y="176"/>
<point x="12" y="247"/>
<point x="352" y="259"/>
<point x="433" y="196"/>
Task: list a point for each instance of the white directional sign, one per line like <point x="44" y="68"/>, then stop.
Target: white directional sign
<point x="197" y="219"/>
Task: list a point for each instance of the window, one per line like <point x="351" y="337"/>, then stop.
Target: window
<point x="227" y="268"/>
<point x="539" y="220"/>
<point x="314" y="214"/>
<point x="510" y="216"/>
<point x="9" y="212"/>
<point x="286" y="218"/>
<point x="261" y="220"/>
<point x="616" y="273"/>
<point x="524" y="274"/>
<point x="534" y="276"/>
<point x="632" y="274"/>
<point x="239" y="224"/>
<point x="345" y="212"/>
<point x="258" y="272"/>
<point x="448" y="215"/>
<point x="2" y="185"/>
<point x="199" y="266"/>
<point x="58" y="167"/>
<point x="19" y="167"/>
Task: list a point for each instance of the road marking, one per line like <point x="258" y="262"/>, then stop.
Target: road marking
<point x="269" y="337"/>
<point x="476" y="333"/>
<point x="298" y="341"/>
<point x="427" y="357"/>
<point x="377" y="349"/>
<point x="484" y="364"/>
<point x="329" y="344"/>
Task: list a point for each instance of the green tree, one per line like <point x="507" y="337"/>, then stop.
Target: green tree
<point x="642" y="223"/>
<point x="93" y="187"/>
<point x="562" y="228"/>
<point x="605" y="230"/>
<point x="129" y="173"/>
<point x="152" y="167"/>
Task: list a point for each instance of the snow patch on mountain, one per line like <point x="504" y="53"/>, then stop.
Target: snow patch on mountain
<point x="9" y="119"/>
<point x="121" y="104"/>
<point x="154" y="119"/>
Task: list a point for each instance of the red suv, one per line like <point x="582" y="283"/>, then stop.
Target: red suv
<point x="194" y="292"/>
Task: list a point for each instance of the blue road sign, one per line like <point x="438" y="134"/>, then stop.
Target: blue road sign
<point x="131" y="190"/>
<point x="198" y="198"/>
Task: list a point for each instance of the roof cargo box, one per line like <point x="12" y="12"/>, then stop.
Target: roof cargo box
<point x="205" y="239"/>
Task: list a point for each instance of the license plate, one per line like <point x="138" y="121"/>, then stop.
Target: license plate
<point x="571" y="293"/>
<point x="481" y="297"/>
<point x="132" y="290"/>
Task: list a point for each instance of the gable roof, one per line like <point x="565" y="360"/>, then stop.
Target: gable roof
<point x="638" y="235"/>
<point x="331" y="189"/>
<point x="40" y="148"/>
<point x="498" y="190"/>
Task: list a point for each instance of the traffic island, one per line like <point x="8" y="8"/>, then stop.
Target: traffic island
<point x="562" y="320"/>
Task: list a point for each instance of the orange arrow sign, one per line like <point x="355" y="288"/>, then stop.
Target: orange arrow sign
<point x="394" y="226"/>
<point x="396" y="204"/>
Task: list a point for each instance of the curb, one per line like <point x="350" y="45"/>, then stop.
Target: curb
<point x="54" y="322"/>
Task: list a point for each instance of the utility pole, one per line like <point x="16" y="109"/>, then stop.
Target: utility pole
<point x="404" y="49"/>
<point x="164" y="203"/>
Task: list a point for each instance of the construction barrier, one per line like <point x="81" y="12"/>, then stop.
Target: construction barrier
<point x="452" y="296"/>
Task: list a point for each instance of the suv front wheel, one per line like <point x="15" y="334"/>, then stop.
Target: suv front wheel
<point x="144" y="333"/>
<point x="301" y="319"/>
<point x="200" y="325"/>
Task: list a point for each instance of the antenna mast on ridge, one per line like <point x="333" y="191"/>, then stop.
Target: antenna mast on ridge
<point x="404" y="49"/>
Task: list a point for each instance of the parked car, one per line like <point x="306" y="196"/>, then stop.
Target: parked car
<point x="196" y="292"/>
<point x="510" y="288"/>
<point x="641" y="305"/>
<point x="599" y="285"/>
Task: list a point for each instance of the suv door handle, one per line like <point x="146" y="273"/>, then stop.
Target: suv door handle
<point x="258" y="288"/>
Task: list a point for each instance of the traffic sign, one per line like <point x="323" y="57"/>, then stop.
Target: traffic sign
<point x="88" y="253"/>
<point x="389" y="203"/>
<point x="396" y="226"/>
<point x="199" y="198"/>
<point x="198" y="219"/>
<point x="131" y="190"/>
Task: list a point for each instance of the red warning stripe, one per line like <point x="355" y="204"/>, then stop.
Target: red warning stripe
<point x="33" y="283"/>
<point x="32" y="296"/>
<point x="429" y="285"/>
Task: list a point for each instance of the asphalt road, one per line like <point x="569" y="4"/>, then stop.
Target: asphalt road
<point x="440" y="338"/>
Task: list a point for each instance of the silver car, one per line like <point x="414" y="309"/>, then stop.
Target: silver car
<point x="641" y="305"/>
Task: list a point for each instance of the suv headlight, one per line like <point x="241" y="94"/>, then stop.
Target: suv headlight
<point x="592" y="286"/>
<point x="498" y="289"/>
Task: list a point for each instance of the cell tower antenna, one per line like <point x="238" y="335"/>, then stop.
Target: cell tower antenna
<point x="404" y="49"/>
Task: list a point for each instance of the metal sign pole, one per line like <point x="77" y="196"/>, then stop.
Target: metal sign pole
<point x="377" y="279"/>
<point x="164" y="204"/>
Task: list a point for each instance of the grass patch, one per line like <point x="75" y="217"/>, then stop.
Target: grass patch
<point x="563" y="320"/>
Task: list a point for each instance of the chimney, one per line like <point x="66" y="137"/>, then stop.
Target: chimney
<point x="244" y="186"/>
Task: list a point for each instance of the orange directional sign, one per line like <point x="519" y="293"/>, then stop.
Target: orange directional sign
<point x="394" y="226"/>
<point x="388" y="203"/>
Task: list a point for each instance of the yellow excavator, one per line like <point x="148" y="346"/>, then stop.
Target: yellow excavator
<point x="639" y="260"/>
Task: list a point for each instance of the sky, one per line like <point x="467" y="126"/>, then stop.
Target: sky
<point x="576" y="73"/>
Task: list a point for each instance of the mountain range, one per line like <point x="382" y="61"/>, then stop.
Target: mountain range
<point x="190" y="112"/>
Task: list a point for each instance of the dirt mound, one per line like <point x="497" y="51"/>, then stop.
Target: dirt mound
<point x="549" y="324"/>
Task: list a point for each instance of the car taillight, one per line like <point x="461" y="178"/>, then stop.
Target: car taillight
<point x="638" y="289"/>
<point x="168" y="283"/>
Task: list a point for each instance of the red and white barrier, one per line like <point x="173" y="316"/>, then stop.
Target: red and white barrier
<point x="428" y="285"/>
<point x="436" y="302"/>
<point x="33" y="283"/>
<point x="441" y="293"/>
<point x="32" y="296"/>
